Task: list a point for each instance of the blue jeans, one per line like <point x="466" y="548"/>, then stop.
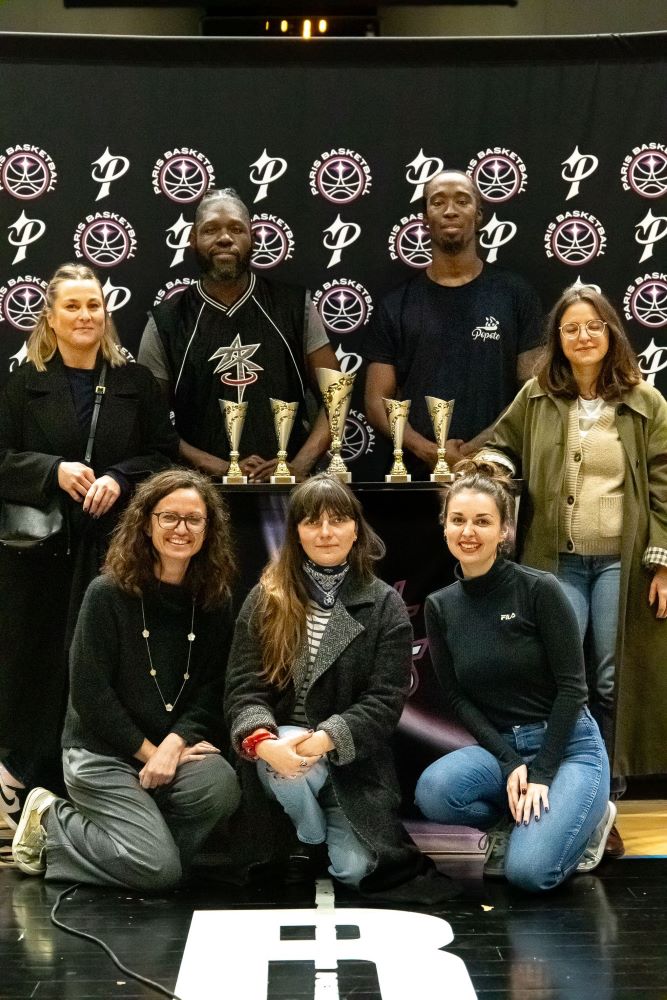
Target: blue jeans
<point x="591" y="584"/>
<point x="467" y="788"/>
<point x="311" y="804"/>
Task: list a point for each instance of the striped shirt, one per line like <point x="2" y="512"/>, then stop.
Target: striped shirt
<point x="317" y="619"/>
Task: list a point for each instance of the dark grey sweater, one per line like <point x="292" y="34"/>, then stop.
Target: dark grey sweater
<point x="114" y="703"/>
<point x="506" y="649"/>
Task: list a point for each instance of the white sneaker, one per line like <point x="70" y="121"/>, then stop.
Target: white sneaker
<point x="29" y="844"/>
<point x="594" y="851"/>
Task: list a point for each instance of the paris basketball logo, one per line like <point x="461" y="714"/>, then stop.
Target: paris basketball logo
<point x="576" y="169"/>
<point x="172" y="288"/>
<point x="27" y="172"/>
<point x="410" y="242"/>
<point x="646" y="300"/>
<point x="108" y="168"/>
<point x="358" y="438"/>
<point x="115" y="296"/>
<point x="420" y="171"/>
<point x="105" y="239"/>
<point x="344" y="305"/>
<point x="178" y="239"/>
<point x="264" y="171"/>
<point x="338" y="236"/>
<point x="21" y="301"/>
<point x="644" y="171"/>
<point x="499" y="173"/>
<point x="272" y="241"/>
<point x="653" y="360"/>
<point x="575" y="238"/>
<point x="183" y="175"/>
<point x="340" y="176"/>
<point x="23" y="233"/>
<point x="649" y="231"/>
<point x="494" y="235"/>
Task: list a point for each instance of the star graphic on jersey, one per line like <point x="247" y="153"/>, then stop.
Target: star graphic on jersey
<point x="237" y="356"/>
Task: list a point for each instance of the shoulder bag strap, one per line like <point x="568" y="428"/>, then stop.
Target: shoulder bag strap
<point x="100" y="389"/>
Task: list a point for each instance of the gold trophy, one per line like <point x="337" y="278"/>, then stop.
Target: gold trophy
<point x="234" y="417"/>
<point x="336" y="389"/>
<point x="440" y="411"/>
<point x="283" y="419"/>
<point x="397" y="414"/>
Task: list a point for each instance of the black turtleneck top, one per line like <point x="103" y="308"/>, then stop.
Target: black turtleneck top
<point x="506" y="649"/>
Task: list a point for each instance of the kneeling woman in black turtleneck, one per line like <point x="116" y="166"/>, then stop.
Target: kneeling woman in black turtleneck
<point x="505" y="646"/>
<point x="146" y="782"/>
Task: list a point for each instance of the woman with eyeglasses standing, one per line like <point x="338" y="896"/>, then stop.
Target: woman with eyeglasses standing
<point x="589" y="438"/>
<point x="141" y="742"/>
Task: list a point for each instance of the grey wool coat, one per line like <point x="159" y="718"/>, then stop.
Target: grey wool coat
<point x="358" y="687"/>
<point x="533" y="433"/>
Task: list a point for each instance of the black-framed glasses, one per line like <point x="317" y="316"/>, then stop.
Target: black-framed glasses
<point x="169" y="519"/>
<point x="593" y="327"/>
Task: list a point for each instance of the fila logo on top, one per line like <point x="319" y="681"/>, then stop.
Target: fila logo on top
<point x="644" y="171"/>
<point x="577" y="168"/>
<point x="21" y="301"/>
<point x="183" y="175"/>
<point x="23" y="233"/>
<point x="264" y="171"/>
<point x="27" y="172"/>
<point x="338" y="236"/>
<point x="499" y="174"/>
<point x="646" y="300"/>
<point x="107" y="169"/>
<point x="421" y="170"/>
<point x="575" y="238"/>
<point x="340" y="176"/>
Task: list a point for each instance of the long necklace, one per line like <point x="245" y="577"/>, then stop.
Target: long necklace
<point x="168" y="705"/>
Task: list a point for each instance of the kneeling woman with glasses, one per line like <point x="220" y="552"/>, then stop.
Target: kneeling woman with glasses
<point x="141" y="761"/>
<point x="318" y="675"/>
<point x="505" y="646"/>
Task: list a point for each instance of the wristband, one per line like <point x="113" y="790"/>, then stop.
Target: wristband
<point x="250" y="743"/>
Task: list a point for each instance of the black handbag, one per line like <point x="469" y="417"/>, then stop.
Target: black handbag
<point x="26" y="527"/>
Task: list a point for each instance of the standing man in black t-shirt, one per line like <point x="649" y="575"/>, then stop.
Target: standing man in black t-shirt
<point x="232" y="335"/>
<point x="461" y="330"/>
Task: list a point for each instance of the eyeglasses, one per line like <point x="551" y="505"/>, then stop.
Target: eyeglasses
<point x="594" y="328"/>
<point x="169" y="519"/>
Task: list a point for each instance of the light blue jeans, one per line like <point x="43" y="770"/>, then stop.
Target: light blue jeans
<point x="311" y="804"/>
<point x="591" y="584"/>
<point x="467" y="788"/>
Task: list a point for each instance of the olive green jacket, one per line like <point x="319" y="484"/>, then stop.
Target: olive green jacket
<point x="533" y="434"/>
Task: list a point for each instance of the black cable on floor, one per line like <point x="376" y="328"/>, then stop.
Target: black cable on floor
<point x="105" y="947"/>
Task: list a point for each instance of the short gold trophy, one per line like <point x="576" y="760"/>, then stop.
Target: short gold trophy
<point x="440" y="411"/>
<point x="234" y="417"/>
<point x="397" y="414"/>
<point x="336" y="389"/>
<point x="283" y="420"/>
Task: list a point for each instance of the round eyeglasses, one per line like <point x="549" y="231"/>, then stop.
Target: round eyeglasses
<point x="593" y="327"/>
<point x="169" y="519"/>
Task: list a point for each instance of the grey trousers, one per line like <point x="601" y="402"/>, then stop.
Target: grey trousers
<point x="114" y="832"/>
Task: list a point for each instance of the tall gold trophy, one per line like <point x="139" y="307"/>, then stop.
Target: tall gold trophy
<point x="336" y="389"/>
<point x="397" y="414"/>
<point x="283" y="420"/>
<point x="234" y="417"/>
<point x="440" y="411"/>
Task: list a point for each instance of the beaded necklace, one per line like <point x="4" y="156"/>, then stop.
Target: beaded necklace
<point x="168" y="705"/>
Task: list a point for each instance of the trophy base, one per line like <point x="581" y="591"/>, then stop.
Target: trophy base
<point x="442" y="477"/>
<point x="235" y="480"/>
<point x="283" y="480"/>
<point x="345" y="477"/>
<point x="403" y="478"/>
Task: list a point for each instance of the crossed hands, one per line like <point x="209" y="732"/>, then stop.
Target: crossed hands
<point x="525" y="797"/>
<point x="97" y="495"/>
<point x="293" y="756"/>
<point x="161" y="767"/>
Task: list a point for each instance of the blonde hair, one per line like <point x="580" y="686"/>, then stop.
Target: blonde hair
<point x="42" y="343"/>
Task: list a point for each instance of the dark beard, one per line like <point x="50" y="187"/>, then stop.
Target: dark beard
<point x="229" y="270"/>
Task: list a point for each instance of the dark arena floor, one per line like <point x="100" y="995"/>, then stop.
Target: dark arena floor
<point x="602" y="936"/>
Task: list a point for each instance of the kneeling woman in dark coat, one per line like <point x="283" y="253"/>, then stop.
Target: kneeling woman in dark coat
<point x="318" y="675"/>
<point x="146" y="781"/>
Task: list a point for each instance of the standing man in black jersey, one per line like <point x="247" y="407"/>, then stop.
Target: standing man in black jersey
<point x="461" y="329"/>
<point x="233" y="335"/>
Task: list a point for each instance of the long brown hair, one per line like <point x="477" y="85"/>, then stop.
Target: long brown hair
<point x="42" y="343"/>
<point x="130" y="561"/>
<point x="619" y="371"/>
<point x="281" y="610"/>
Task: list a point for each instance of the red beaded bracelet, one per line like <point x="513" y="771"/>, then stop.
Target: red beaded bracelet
<point x="251" y="742"/>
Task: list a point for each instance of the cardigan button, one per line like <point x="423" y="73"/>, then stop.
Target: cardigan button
<point x="577" y="456"/>
<point x="570" y="500"/>
<point x="570" y="546"/>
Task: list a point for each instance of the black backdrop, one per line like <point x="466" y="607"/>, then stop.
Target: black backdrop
<point x="107" y="142"/>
